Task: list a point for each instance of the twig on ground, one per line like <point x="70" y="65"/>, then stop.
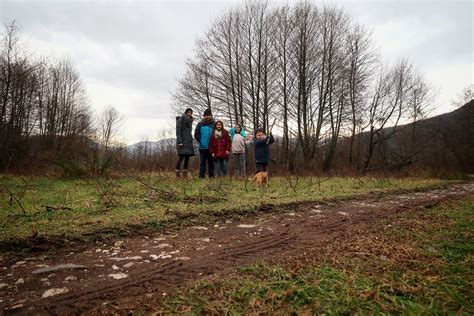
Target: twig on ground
<point x="107" y="190"/>
<point x="14" y="197"/>
<point x="290" y="183"/>
<point x="164" y="194"/>
<point x="50" y="208"/>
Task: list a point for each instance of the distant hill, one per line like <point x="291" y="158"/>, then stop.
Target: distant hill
<point x="444" y="142"/>
<point x="451" y="141"/>
<point x="464" y="114"/>
<point x="153" y="146"/>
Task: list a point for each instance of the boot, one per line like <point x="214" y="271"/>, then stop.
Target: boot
<point x="178" y="174"/>
<point x="185" y="174"/>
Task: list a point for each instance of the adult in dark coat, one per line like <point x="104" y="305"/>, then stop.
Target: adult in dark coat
<point x="184" y="141"/>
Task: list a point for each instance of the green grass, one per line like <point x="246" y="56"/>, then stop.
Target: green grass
<point x="156" y="200"/>
<point x="427" y="269"/>
<point x="265" y="289"/>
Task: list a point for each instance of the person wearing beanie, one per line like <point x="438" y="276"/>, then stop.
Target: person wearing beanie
<point x="184" y="141"/>
<point x="207" y="112"/>
<point x="202" y="134"/>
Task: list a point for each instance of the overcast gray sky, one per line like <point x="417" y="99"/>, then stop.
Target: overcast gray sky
<point x="130" y="53"/>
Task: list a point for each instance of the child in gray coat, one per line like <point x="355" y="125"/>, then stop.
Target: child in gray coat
<point x="239" y="140"/>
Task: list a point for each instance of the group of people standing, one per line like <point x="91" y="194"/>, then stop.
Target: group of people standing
<point x="217" y="145"/>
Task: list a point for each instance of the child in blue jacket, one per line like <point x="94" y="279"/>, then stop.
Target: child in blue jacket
<point x="202" y="134"/>
<point x="262" y="144"/>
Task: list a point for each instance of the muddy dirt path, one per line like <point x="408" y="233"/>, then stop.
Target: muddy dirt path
<point x="131" y="273"/>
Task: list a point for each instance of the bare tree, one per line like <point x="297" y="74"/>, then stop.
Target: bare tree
<point x="465" y="96"/>
<point x="307" y="41"/>
<point x="284" y="31"/>
<point x="361" y="60"/>
<point x="195" y="89"/>
<point x="110" y="122"/>
<point x="390" y="104"/>
<point x="9" y="44"/>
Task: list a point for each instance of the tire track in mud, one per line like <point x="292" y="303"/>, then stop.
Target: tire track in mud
<point x="170" y="272"/>
<point x="290" y="235"/>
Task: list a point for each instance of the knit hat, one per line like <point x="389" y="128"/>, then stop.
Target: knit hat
<point x="208" y="112"/>
<point x="188" y="110"/>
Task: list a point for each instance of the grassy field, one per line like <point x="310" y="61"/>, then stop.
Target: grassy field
<point x="424" y="266"/>
<point x="74" y="208"/>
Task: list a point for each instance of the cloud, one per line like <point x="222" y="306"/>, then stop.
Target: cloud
<point x="436" y="36"/>
<point x="450" y="88"/>
<point x="145" y="114"/>
<point x="429" y="30"/>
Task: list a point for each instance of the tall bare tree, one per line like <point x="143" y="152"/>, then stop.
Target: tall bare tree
<point x="110" y="122"/>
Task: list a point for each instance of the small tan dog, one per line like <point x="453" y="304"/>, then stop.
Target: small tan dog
<point x="261" y="178"/>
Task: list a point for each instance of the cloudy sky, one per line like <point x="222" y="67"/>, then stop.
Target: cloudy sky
<point x="130" y="53"/>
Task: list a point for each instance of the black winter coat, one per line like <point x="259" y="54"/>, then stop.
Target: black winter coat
<point x="184" y="127"/>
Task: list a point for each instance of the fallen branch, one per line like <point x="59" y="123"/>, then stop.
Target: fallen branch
<point x="13" y="197"/>
<point x="50" y="208"/>
<point x="167" y="195"/>
<point x="107" y="190"/>
<point x="290" y="183"/>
